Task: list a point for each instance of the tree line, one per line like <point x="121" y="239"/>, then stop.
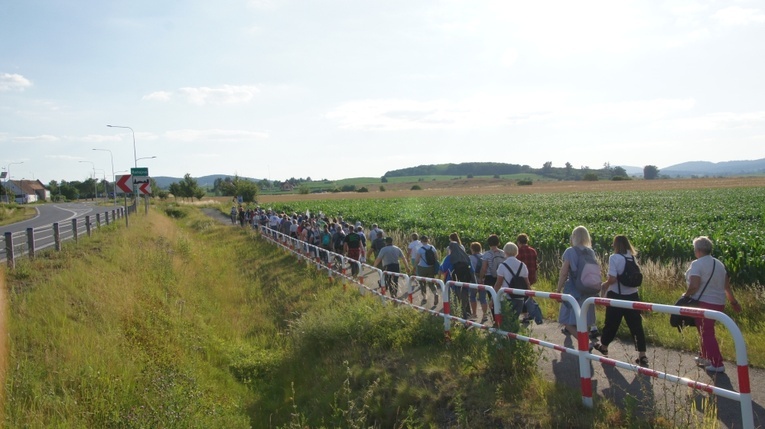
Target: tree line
<point x="567" y="172"/>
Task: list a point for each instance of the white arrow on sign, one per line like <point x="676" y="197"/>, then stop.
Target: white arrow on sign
<point x="125" y="183"/>
<point x="143" y="183"/>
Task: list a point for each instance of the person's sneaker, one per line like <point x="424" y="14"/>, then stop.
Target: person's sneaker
<point x="712" y="368"/>
<point x="594" y="334"/>
<point x="702" y="362"/>
<point x="424" y="301"/>
<point x="642" y="361"/>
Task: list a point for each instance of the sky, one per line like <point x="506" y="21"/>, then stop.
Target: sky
<point x="332" y="89"/>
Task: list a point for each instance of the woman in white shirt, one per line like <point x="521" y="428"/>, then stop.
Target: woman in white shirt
<point x="613" y="288"/>
<point x="709" y="283"/>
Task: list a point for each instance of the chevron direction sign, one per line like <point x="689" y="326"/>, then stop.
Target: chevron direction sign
<point x="125" y="184"/>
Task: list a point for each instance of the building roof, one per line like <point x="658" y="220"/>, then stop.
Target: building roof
<point x="29" y="186"/>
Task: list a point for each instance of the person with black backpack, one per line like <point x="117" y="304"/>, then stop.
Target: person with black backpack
<point x="426" y="264"/>
<point x="624" y="279"/>
<point x="514" y="274"/>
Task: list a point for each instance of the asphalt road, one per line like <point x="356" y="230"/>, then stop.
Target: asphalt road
<point x="47" y="215"/>
<point x="642" y="395"/>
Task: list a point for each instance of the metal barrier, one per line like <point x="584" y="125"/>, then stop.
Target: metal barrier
<point x="32" y="240"/>
<point x="744" y="397"/>
<point x="582" y="351"/>
<point x="583" y="340"/>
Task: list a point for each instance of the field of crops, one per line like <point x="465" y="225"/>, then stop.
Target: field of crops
<point x="661" y="224"/>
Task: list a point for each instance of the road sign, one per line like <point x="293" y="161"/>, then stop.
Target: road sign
<point x="125" y="183"/>
<point x="140" y="171"/>
<point x="145" y="189"/>
<point x="143" y="184"/>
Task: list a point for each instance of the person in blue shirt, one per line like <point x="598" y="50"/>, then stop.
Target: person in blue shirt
<point x="461" y="293"/>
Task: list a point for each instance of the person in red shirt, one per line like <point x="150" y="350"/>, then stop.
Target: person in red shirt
<point x="527" y="255"/>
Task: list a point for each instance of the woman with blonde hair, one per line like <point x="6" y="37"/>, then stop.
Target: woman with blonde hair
<point x="580" y="243"/>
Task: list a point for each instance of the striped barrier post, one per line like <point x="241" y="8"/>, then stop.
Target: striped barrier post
<point x="583" y="340"/>
<point x="744" y="396"/>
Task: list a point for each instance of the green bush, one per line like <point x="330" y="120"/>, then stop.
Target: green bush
<point x="525" y="182"/>
<point x="176" y="211"/>
<point x="590" y="177"/>
<point x="416" y="188"/>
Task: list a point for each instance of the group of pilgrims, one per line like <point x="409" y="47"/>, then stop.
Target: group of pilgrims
<point x="514" y="265"/>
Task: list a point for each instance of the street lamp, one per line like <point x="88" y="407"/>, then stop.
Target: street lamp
<point x="135" y="154"/>
<point x="145" y="157"/>
<point x="114" y="181"/>
<point x="95" y="183"/>
<point x="8" y="170"/>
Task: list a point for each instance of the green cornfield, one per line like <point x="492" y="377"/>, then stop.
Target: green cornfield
<point x="660" y="224"/>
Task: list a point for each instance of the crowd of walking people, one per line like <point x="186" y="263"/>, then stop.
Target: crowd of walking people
<point x="515" y="265"/>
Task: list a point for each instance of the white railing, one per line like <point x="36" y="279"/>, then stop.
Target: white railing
<point x="304" y="250"/>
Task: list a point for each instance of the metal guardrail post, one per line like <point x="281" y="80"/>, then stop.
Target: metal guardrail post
<point x="57" y="237"/>
<point x="106" y="216"/>
<point x="87" y="225"/>
<point x="9" y="250"/>
<point x="98" y="220"/>
<point x="74" y="229"/>
<point x="31" y="242"/>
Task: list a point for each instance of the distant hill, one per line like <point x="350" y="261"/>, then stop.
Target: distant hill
<point x="705" y="168"/>
<point x="205" y="181"/>
<point x="463" y="169"/>
<point x="686" y="169"/>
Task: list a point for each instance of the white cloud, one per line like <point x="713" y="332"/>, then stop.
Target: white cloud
<point x="64" y="157"/>
<point x="634" y="111"/>
<point x="477" y="111"/>
<point x="100" y="138"/>
<point x="215" y="135"/>
<point x="722" y="121"/>
<point x="227" y="94"/>
<point x="45" y="138"/>
<point x="158" y="96"/>
<point x="509" y="57"/>
<point x="203" y="95"/>
<point x="735" y="15"/>
<point x="13" y="82"/>
<point x="487" y="111"/>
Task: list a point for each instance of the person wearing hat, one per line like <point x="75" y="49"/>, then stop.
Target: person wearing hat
<point x="389" y="257"/>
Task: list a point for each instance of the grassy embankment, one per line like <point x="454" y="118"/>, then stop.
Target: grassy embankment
<point x="190" y="324"/>
<point x="12" y="213"/>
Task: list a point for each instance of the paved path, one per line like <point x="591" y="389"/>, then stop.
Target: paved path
<point x="643" y="395"/>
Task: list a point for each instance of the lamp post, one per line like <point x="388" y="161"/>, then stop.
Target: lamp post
<point x="95" y="182"/>
<point x="135" y="154"/>
<point x="114" y="181"/>
<point x="8" y="178"/>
